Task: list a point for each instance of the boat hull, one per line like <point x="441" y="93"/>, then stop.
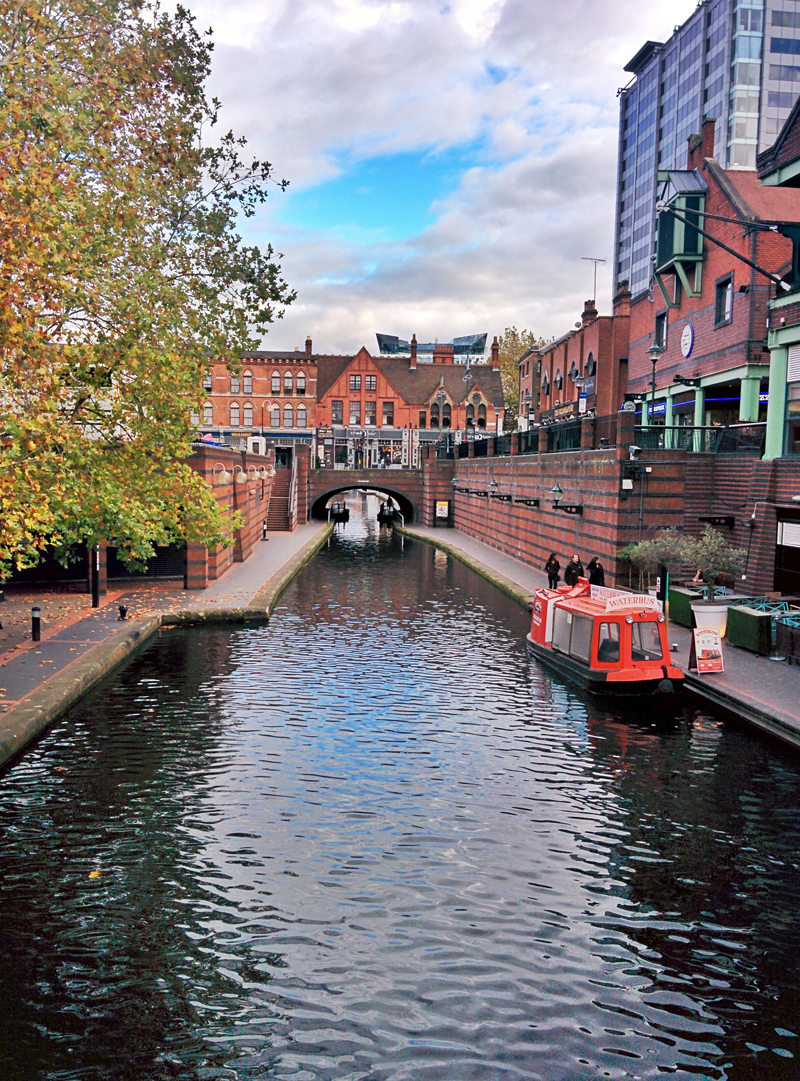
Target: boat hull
<point x="597" y="682"/>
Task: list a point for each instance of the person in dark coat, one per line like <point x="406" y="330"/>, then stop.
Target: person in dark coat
<point x="552" y="567"/>
<point x="594" y="568"/>
<point x="574" y="571"/>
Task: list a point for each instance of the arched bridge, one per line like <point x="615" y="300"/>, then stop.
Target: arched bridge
<point x="403" y="485"/>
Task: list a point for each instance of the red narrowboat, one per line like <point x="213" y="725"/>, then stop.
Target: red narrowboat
<point x="608" y="641"/>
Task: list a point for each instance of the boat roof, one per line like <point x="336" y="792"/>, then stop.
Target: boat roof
<point x="594" y="608"/>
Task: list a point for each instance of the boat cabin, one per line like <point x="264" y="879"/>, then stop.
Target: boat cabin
<point x="620" y="637"/>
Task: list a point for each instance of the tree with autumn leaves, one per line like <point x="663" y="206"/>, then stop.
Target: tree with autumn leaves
<point x="122" y="275"/>
<point x="513" y="343"/>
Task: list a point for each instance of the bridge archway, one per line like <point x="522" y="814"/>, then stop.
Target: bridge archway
<point x="404" y="504"/>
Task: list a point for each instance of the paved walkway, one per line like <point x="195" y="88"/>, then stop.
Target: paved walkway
<point x="759" y="691"/>
<point x="38" y="680"/>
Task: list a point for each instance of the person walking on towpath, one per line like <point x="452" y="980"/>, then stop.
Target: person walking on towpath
<point x="574" y="571"/>
<point x="552" y="567"/>
<point x="597" y="575"/>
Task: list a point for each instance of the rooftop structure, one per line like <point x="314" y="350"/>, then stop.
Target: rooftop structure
<point x="472" y="346"/>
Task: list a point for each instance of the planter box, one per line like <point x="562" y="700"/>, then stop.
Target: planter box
<point x="711" y="617"/>
<point x="787" y="640"/>
<point x="750" y="629"/>
<point x="680" y="605"/>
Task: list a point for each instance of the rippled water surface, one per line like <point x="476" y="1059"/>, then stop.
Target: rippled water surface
<point x="373" y="841"/>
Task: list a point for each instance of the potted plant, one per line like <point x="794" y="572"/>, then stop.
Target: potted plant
<point x="668" y="548"/>
<point x="713" y="556"/>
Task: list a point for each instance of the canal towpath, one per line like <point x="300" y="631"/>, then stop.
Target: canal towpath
<point x="754" y="689"/>
<point x="40" y="680"/>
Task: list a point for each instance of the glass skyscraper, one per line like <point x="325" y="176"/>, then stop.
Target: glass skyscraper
<point x="737" y="61"/>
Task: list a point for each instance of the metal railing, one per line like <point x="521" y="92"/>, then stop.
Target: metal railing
<point x="564" y="436"/>
<point x="745" y="439"/>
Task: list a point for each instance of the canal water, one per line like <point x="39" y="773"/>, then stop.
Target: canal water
<point x="372" y="840"/>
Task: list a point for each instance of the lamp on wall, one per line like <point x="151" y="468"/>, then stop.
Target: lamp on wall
<point x="653" y="353"/>
<point x="568" y="508"/>
<point x="220" y="478"/>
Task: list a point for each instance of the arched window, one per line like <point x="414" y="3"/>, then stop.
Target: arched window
<point x="247" y="383"/>
<point x="434" y="416"/>
<point x="247" y="415"/>
<point x="208" y="413"/>
<point x="546" y="383"/>
<point x="301" y="416"/>
<point x="234" y="384"/>
<point x="301" y="382"/>
<point x="559" y="379"/>
<point x="276" y="382"/>
<point x="288" y="416"/>
<point x="446" y="415"/>
<point x="481" y="416"/>
<point x="234" y="414"/>
<point x="287" y="383"/>
<point x="275" y="416"/>
<point x="591" y="365"/>
<point x="194" y="418"/>
<point x="470" y="415"/>
<point x="207" y="384"/>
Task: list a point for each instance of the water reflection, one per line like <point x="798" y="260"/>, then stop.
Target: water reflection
<point x="374" y="841"/>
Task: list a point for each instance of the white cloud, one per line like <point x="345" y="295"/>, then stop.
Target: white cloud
<point x="314" y="82"/>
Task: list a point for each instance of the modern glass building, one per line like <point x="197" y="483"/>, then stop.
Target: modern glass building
<point x="737" y="61"/>
<point x="471" y="345"/>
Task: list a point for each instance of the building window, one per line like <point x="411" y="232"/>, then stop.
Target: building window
<point x="207" y="384"/>
<point x="370" y="382"/>
<point x="234" y="384"/>
<point x="247" y="383"/>
<point x="723" y="301"/>
<point x="337" y="412"/>
<point x="355" y="414"/>
<point x="275" y="416"/>
<point x="559" y="379"/>
<point x="302" y="419"/>
<point x="388" y="414"/>
<point x="660" y="335"/>
<point x="446" y="415"/>
<point x="276" y="382"/>
<point x="235" y="415"/>
<point x="370" y="412"/>
<point x="247" y="415"/>
<point x="481" y="416"/>
<point x="208" y="413"/>
<point x="194" y="418"/>
<point x="434" y="416"/>
<point x="301" y="382"/>
<point x="591" y="365"/>
<point x="545" y="383"/>
<point x="288" y="416"/>
<point x="287" y="383"/>
<point x="422" y="418"/>
<point x="470" y="416"/>
<point x="355" y="382"/>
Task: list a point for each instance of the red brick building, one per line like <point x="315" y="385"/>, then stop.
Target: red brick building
<point x="583" y="371"/>
<point x="708" y="309"/>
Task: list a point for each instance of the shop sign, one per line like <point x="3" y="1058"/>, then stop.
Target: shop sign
<point x="643" y="601"/>
<point x="566" y="411"/>
<point x="443" y="508"/>
<point x="581" y="403"/>
<point x="657" y="408"/>
<point x="325" y="433"/>
<point x="764" y="397"/>
<point x="707" y="651"/>
<point x="589" y="386"/>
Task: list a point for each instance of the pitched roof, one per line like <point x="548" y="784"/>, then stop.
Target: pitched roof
<point x="784" y="150"/>
<point x="753" y="200"/>
<point x="416" y="385"/>
<point x="329" y="368"/>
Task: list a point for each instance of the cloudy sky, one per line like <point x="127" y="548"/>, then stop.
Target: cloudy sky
<point x="450" y="161"/>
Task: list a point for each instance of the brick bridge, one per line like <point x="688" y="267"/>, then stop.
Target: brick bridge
<point x="405" y="486"/>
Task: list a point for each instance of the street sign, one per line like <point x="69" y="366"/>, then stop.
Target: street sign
<point x="706" y="654"/>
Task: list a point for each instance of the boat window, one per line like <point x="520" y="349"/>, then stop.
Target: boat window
<point x="581" y="642"/>
<point x="562" y="625"/>
<point x="645" y="642"/>
<point x="608" y="643"/>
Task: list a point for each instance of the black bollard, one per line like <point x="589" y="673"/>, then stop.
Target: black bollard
<point x="36" y="623"/>
<point x="95" y="557"/>
<point x="2" y="596"/>
<point x="123" y="611"/>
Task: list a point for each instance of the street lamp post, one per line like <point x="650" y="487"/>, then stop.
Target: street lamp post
<point x="653" y="353"/>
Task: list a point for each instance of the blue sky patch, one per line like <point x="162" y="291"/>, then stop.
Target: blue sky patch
<point x="387" y="198"/>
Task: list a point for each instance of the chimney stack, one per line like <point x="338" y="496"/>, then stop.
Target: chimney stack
<point x="702" y="146"/>
<point x="622" y="301"/>
<point x="308" y="347"/>
<point x="443" y="354"/>
<point x="413" y="362"/>
<point x="495" y="355"/>
<point x="589" y="313"/>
